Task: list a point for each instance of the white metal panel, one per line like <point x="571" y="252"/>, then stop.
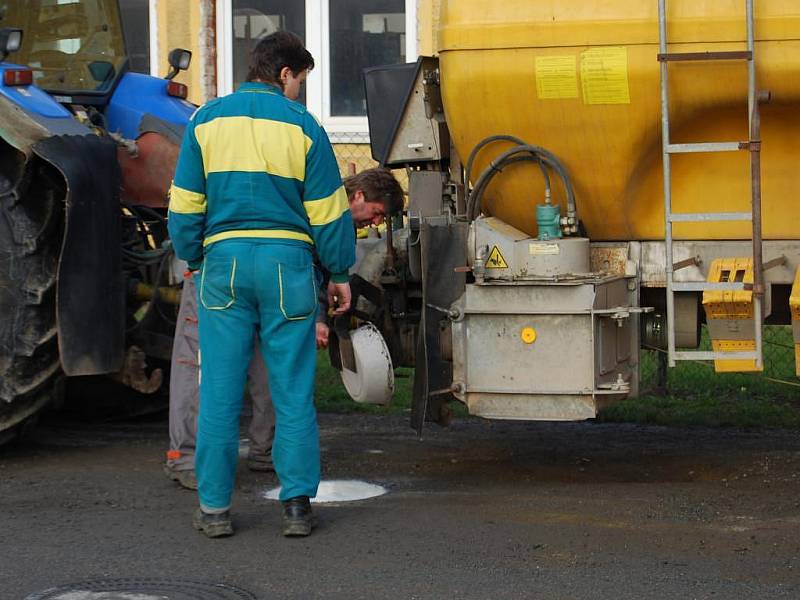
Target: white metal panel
<point x="152" y="17"/>
<point x="224" y="47"/>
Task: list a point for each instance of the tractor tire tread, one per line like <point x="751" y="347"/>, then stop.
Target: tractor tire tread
<point x="31" y="223"/>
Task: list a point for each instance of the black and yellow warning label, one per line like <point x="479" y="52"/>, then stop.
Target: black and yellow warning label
<point x="496" y="260"/>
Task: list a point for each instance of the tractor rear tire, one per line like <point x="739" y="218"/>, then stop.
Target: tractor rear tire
<point x="31" y="230"/>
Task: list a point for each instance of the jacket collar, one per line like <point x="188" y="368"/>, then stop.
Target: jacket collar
<point x="258" y="86"/>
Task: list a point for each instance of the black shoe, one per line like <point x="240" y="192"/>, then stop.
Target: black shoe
<point x="298" y="521"/>
<point x="214" y="525"/>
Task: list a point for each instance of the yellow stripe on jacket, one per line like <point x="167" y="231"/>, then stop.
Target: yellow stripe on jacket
<point x="279" y="234"/>
<point x="327" y="210"/>
<point x="248" y="144"/>
<point x="185" y="201"/>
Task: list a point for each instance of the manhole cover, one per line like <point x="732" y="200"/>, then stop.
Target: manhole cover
<point x="342" y="490"/>
<point x="143" y="589"/>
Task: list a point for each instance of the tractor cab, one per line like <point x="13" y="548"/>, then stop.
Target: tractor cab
<point x="74" y="51"/>
<point x="72" y="48"/>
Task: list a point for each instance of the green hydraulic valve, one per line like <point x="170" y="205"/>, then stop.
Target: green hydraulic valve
<point x="548" y="218"/>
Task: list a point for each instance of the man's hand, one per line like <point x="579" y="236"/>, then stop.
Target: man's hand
<point x="339" y="297"/>
<point x="322" y="335"/>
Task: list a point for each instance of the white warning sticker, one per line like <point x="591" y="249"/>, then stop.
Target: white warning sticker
<point x="535" y="249"/>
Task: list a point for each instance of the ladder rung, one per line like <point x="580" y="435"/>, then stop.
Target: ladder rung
<point x="699" y="217"/>
<point x="706" y="147"/>
<point x="699" y="355"/>
<point x="726" y="55"/>
<point x="704" y="286"/>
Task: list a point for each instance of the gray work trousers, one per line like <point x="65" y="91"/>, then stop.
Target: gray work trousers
<point x="184" y="390"/>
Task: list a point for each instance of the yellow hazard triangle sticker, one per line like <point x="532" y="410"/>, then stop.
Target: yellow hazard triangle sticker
<point x="496" y="260"/>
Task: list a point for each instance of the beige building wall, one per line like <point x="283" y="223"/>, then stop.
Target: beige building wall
<point x="428" y="27"/>
<point x="189" y="24"/>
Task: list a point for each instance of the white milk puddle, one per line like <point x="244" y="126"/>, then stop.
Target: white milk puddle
<point x="341" y="490"/>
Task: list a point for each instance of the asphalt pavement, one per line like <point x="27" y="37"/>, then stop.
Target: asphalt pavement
<point x="480" y="510"/>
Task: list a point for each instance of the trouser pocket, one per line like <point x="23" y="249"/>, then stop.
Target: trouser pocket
<point x="217" y="290"/>
<point x="298" y="291"/>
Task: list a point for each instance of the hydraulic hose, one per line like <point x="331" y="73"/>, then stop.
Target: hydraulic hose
<point x="499" y="168"/>
<point x="545" y="158"/>
<point x="481" y="144"/>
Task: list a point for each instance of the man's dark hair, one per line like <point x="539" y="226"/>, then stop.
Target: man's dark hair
<point x="275" y="51"/>
<point x="378" y="185"/>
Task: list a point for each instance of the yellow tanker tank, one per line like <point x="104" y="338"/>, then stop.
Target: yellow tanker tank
<point x="581" y="79"/>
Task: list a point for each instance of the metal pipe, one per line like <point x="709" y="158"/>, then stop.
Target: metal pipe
<point x="754" y="117"/>
<point x="751" y="65"/>
<point x="168" y="295"/>
<point x="662" y="48"/>
<point x="390" y="253"/>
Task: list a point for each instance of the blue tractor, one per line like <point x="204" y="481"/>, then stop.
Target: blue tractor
<point x="87" y="152"/>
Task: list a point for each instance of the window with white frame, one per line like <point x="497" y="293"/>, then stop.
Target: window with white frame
<point x="344" y="36"/>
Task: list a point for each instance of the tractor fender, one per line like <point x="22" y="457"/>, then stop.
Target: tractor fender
<point x="89" y="313"/>
<point x="90" y="301"/>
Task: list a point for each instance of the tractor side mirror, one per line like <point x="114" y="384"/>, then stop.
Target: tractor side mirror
<point x="10" y="41"/>
<point x="179" y="60"/>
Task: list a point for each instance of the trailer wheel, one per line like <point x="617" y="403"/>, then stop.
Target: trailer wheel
<point x="31" y="231"/>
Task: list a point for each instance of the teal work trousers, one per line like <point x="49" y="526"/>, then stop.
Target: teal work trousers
<point x="268" y="287"/>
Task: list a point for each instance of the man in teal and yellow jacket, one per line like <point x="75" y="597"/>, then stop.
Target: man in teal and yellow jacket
<point x="256" y="191"/>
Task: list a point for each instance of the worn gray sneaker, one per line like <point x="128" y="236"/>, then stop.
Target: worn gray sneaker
<point x="213" y="525"/>
<point x="260" y="461"/>
<point x="186" y="478"/>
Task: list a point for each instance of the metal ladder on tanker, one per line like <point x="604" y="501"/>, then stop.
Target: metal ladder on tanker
<point x="668" y="149"/>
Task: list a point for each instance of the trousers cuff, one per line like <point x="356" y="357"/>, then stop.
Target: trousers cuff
<point x="214" y="511"/>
